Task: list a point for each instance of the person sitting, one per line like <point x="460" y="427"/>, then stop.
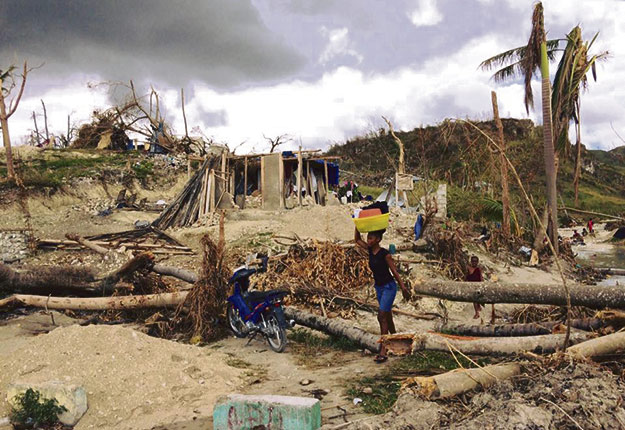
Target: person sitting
<point x="577" y="238"/>
<point x="584" y="232"/>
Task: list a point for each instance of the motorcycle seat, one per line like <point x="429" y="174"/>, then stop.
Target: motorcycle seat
<point x="257" y="296"/>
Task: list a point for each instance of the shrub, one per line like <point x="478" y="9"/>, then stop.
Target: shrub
<point x="33" y="410"/>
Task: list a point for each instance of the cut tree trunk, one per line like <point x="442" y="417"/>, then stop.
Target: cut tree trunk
<point x="334" y="326"/>
<point x="97" y="303"/>
<point x="460" y="381"/>
<point x="597" y="347"/>
<point x="48" y="280"/>
<point x="140" y="262"/>
<point x="596" y="297"/>
<point x="182" y="274"/>
<point x="531" y="329"/>
<point x="402" y="344"/>
<point x="87" y="243"/>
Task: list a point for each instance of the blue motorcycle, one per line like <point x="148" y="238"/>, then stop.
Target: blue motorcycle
<point x="252" y="312"/>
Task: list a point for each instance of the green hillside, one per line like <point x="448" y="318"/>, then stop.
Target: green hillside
<point x="459" y="155"/>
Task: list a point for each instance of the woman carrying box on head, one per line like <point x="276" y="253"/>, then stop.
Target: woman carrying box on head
<point x="384" y="270"/>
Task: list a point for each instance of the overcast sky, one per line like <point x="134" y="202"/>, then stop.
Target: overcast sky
<point x="321" y="71"/>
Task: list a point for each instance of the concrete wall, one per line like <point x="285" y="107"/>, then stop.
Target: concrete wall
<point x="271" y="180"/>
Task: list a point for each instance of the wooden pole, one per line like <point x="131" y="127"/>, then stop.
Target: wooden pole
<point x="309" y="190"/>
<point x="396" y="190"/>
<point x="244" y="183"/>
<point x="327" y="179"/>
<point x="300" y="166"/>
<point x="213" y="188"/>
<point x="505" y="195"/>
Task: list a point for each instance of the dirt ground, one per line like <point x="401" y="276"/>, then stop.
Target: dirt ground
<point x="140" y="382"/>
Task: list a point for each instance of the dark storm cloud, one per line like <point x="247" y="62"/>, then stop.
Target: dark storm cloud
<point x="221" y="42"/>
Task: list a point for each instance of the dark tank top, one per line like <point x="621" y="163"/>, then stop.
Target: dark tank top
<point x="379" y="267"/>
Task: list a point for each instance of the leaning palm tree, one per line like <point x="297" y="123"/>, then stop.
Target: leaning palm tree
<point x="570" y="80"/>
<point x="526" y="61"/>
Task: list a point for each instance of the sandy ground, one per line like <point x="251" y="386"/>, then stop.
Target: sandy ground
<point x="131" y="379"/>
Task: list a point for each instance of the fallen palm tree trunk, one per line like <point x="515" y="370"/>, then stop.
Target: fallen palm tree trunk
<point x="63" y="280"/>
<point x="403" y="344"/>
<point x="593" y="213"/>
<point x="182" y="274"/>
<point x="531" y="329"/>
<point x="97" y="303"/>
<point x="597" y="347"/>
<point x="611" y="271"/>
<point x="461" y="380"/>
<point x="334" y="326"/>
<point x="596" y="297"/>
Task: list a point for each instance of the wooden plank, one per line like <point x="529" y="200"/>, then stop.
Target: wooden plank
<point x="239" y="157"/>
<point x="202" y="196"/>
<point x="309" y="190"/>
<point x="244" y="183"/>
<point x="299" y="176"/>
<point x="212" y="193"/>
<point x="281" y="185"/>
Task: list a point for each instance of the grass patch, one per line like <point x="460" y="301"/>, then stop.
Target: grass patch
<point x="314" y="351"/>
<point x="371" y="191"/>
<point x="385" y="386"/>
<point x="54" y="168"/>
<point x="314" y="342"/>
<point x="143" y="169"/>
<point x="237" y="363"/>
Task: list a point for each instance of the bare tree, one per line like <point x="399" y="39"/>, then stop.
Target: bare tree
<point x="277" y="141"/>
<point x="7" y="84"/>
<point x="45" y="121"/>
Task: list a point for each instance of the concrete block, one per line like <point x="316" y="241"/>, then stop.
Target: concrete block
<point x="243" y="412"/>
<point x="73" y="397"/>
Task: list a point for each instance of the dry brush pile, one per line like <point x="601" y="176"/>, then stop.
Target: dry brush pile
<point x="330" y="275"/>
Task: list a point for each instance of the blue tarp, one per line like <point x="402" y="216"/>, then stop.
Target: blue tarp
<point x="333" y="172"/>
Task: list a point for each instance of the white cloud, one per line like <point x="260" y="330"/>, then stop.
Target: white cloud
<point x="76" y="100"/>
<point x="338" y="45"/>
<point x="426" y="14"/>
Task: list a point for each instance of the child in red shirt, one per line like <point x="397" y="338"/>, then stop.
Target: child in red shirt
<point x="474" y="274"/>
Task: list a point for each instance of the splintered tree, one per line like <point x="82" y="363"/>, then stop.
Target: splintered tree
<point x="7" y="84"/>
<point x="525" y="61"/>
<point x="570" y="80"/>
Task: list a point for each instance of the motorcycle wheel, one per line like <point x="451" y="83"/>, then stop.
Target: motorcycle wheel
<point x="235" y="322"/>
<point x="276" y="335"/>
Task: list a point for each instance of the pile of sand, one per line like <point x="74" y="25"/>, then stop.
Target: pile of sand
<point x="133" y="381"/>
